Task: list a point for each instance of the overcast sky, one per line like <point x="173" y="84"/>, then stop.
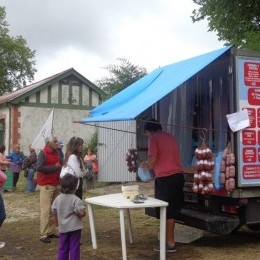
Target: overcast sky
<point x="88" y="35"/>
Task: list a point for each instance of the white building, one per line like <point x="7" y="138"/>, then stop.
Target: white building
<point x="24" y="112"/>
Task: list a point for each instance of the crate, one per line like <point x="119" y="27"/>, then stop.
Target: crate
<point x="184" y="234"/>
<point x="8" y="186"/>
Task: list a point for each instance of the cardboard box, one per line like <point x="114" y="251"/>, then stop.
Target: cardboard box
<point x="130" y="191"/>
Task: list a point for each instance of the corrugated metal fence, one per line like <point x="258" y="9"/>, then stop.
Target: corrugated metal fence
<point x="114" y="139"/>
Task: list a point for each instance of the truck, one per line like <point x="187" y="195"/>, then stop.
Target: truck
<point x="225" y="87"/>
<point x="193" y="99"/>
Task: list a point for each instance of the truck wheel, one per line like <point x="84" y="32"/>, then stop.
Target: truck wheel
<point x="254" y="227"/>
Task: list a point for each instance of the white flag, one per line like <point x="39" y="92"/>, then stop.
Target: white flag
<point x="39" y="141"/>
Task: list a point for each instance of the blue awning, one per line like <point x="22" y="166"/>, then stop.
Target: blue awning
<point x="133" y="100"/>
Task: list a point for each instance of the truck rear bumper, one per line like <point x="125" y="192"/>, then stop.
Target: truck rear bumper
<point x="214" y="223"/>
<point x="219" y="224"/>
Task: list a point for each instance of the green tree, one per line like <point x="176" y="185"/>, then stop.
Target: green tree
<point x="16" y="59"/>
<point x="236" y="22"/>
<point x="93" y="142"/>
<point x="121" y="76"/>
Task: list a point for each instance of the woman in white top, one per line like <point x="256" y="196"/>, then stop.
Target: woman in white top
<point x="73" y="159"/>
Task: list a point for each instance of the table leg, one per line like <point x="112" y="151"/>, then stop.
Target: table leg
<point x="162" y="233"/>
<point x="92" y="226"/>
<point x="122" y="231"/>
<point x="129" y="225"/>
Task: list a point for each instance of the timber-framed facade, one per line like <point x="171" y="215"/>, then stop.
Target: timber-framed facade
<point x="24" y="111"/>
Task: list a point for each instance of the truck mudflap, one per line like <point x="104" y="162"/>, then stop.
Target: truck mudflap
<point x="220" y="224"/>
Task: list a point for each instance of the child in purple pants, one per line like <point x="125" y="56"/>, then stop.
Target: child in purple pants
<point x="69" y="210"/>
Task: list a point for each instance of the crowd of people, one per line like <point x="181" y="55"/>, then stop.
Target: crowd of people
<point x="44" y="171"/>
<point x="60" y="181"/>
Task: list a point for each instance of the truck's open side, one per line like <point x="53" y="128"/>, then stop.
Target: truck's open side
<point x="228" y="85"/>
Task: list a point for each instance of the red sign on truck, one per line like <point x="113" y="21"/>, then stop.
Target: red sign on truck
<point x="252" y="117"/>
<point x="251" y="171"/>
<point x="249" y="154"/>
<point x="249" y="137"/>
<point x="252" y="74"/>
<point x="254" y="96"/>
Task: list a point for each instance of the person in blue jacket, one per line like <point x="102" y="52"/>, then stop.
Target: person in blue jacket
<point x="16" y="157"/>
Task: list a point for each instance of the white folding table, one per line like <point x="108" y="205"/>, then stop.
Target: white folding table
<point x="118" y="201"/>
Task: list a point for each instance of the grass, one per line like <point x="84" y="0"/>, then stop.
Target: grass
<point x="21" y="185"/>
<point x="20" y="231"/>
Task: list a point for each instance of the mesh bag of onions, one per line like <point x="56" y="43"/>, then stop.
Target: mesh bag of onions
<point x="131" y="160"/>
<point x="202" y="180"/>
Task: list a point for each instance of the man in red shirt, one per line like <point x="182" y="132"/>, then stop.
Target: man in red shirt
<point x="48" y="167"/>
<point x="164" y="158"/>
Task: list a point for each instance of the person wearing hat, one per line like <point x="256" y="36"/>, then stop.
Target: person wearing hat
<point x="60" y="152"/>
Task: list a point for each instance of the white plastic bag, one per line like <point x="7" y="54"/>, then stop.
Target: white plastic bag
<point x="67" y="169"/>
<point x="144" y="174"/>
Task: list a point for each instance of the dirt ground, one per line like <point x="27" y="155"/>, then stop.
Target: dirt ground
<point x="20" y="231"/>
